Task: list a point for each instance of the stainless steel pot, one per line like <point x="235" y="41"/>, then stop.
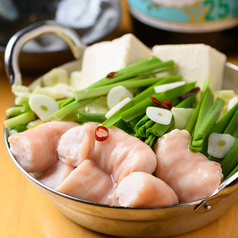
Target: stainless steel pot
<point x="113" y="220"/>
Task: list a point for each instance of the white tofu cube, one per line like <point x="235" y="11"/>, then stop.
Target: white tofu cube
<point x="104" y="57"/>
<point x="195" y="62"/>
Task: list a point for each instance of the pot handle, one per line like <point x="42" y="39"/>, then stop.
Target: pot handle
<point x="34" y="31"/>
<point x="226" y="188"/>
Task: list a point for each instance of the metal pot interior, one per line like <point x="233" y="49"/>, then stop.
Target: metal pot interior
<point x="128" y="222"/>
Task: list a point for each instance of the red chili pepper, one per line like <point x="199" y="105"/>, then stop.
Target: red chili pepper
<point x="167" y="104"/>
<point x="110" y="75"/>
<point x="187" y="94"/>
<point x="101" y="133"/>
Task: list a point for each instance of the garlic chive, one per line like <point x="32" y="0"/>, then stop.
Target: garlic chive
<point x="116" y="95"/>
<point x="166" y="87"/>
<point x="56" y="75"/>
<point x="43" y="106"/>
<point x="117" y="107"/>
<point x="219" y="144"/>
<point x="159" y="115"/>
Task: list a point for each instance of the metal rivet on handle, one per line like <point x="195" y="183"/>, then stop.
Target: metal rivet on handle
<point x="207" y="206"/>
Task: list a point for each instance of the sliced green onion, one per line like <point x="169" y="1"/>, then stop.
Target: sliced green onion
<point x="21" y="100"/>
<point x="20" y="119"/>
<point x="230" y="161"/>
<point x="19" y="128"/>
<point x="219" y="127"/>
<point x="194" y="117"/>
<point x="205" y="126"/>
<point x="232" y="127"/>
<point x="100" y="91"/>
<point x="140" y="67"/>
<point x="171" y="94"/>
<point x="142" y="130"/>
<point x="159" y="130"/>
<point x="139" y="98"/>
<point x="90" y="117"/>
<point x="14" y="111"/>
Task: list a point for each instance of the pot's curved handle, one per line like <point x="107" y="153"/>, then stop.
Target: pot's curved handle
<point x="226" y="189"/>
<point x="34" y="31"/>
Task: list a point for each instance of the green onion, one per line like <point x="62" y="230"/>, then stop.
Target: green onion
<point x="21" y="100"/>
<point x="206" y="123"/>
<point x="17" y="110"/>
<point x="14" y="111"/>
<point x="19" y="128"/>
<point x="20" y="119"/>
<point x="124" y="126"/>
<point x="233" y="171"/>
<point x="100" y="91"/>
<point x="230" y="161"/>
<point x="232" y="127"/>
<point x="133" y="122"/>
<point x="64" y="111"/>
<point x="193" y="119"/>
<point x="151" y="140"/>
<point x="142" y="130"/>
<point x="132" y="70"/>
<point x="141" y="122"/>
<point x="90" y="117"/>
<point x="223" y="122"/>
<point x="139" y="98"/>
<point x="142" y="66"/>
<point x="219" y="127"/>
<point x="188" y="102"/>
<point x="64" y="102"/>
<point x="171" y="94"/>
<point x="159" y="130"/>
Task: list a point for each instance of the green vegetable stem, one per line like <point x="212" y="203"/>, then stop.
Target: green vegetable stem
<point x="206" y="121"/>
<point x="20" y="119"/>
<point x="90" y="117"/>
<point x="100" y="91"/>
<point x="171" y="94"/>
<point x="139" y="98"/>
<point x="141" y="67"/>
<point x="230" y="161"/>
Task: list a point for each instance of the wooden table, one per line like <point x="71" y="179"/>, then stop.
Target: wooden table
<point x="26" y="213"/>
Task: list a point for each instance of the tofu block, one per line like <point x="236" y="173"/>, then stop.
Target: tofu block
<point x="195" y="62"/>
<point x="104" y="57"/>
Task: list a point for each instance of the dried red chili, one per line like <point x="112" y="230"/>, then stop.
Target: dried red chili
<point x="110" y="75"/>
<point x="101" y="133"/>
<point x="167" y="104"/>
<point x="187" y="94"/>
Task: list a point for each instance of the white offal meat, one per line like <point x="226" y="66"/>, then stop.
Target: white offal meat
<point x="119" y="155"/>
<point x="117" y="171"/>
<point x="191" y="175"/>
<point x="140" y="189"/>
